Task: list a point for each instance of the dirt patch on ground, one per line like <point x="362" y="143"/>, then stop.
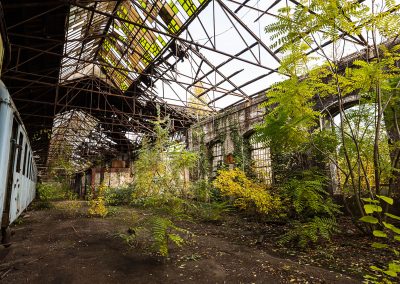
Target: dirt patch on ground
<point x="62" y="245"/>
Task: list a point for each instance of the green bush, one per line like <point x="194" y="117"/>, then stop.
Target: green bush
<point x="202" y="190"/>
<point x="118" y="196"/>
<point x="209" y="212"/>
<point x="50" y="191"/>
<point x="308" y="196"/>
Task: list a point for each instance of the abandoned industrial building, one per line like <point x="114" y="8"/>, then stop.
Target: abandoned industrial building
<point x="200" y="141"/>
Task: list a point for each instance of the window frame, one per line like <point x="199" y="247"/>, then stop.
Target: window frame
<point x="261" y="163"/>
<point x="217" y="157"/>
<point x="19" y="155"/>
<point x="25" y="158"/>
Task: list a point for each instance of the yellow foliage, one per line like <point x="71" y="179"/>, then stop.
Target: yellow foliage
<point x="97" y="205"/>
<point x="247" y="193"/>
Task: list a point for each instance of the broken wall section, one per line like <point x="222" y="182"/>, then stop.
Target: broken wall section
<point x="116" y="175"/>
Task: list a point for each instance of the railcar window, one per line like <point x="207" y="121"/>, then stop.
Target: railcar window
<point x="20" y="143"/>
<point x="28" y="170"/>
<point x="31" y="168"/>
<point x="25" y="158"/>
<point x="28" y="167"/>
<point x="27" y="164"/>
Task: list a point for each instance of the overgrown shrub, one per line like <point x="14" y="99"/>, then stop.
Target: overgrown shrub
<point x="201" y="190"/>
<point x="118" y="196"/>
<point x="97" y="204"/>
<point x="47" y="191"/>
<point x="162" y="165"/>
<point x="246" y="194"/>
<point x="209" y="212"/>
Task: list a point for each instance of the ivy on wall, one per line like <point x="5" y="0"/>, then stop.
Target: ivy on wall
<point x="226" y="127"/>
<point x="203" y="167"/>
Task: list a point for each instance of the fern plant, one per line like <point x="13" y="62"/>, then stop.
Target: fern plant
<point x="310" y="231"/>
<point x="309" y="197"/>
<point x="163" y="232"/>
<point x="157" y="234"/>
<point x="209" y="212"/>
<point x="314" y="211"/>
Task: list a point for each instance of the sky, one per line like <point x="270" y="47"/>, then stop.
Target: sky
<point x="230" y="37"/>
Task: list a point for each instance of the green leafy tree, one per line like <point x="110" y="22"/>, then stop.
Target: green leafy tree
<point x="293" y="124"/>
<point x="161" y="169"/>
<point x="161" y="183"/>
<point x="387" y="235"/>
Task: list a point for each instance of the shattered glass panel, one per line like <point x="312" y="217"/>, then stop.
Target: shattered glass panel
<point x="123" y="40"/>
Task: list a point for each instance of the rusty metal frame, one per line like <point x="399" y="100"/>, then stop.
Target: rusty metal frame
<point x="130" y="111"/>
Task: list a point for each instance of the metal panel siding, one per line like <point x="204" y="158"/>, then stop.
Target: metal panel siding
<point x="6" y="119"/>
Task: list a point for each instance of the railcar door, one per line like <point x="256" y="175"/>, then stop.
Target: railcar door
<point x="18" y="186"/>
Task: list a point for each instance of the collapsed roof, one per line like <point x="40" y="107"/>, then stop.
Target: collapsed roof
<point x="121" y="61"/>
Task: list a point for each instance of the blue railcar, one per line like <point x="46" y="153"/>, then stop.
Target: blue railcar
<point x="18" y="172"/>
